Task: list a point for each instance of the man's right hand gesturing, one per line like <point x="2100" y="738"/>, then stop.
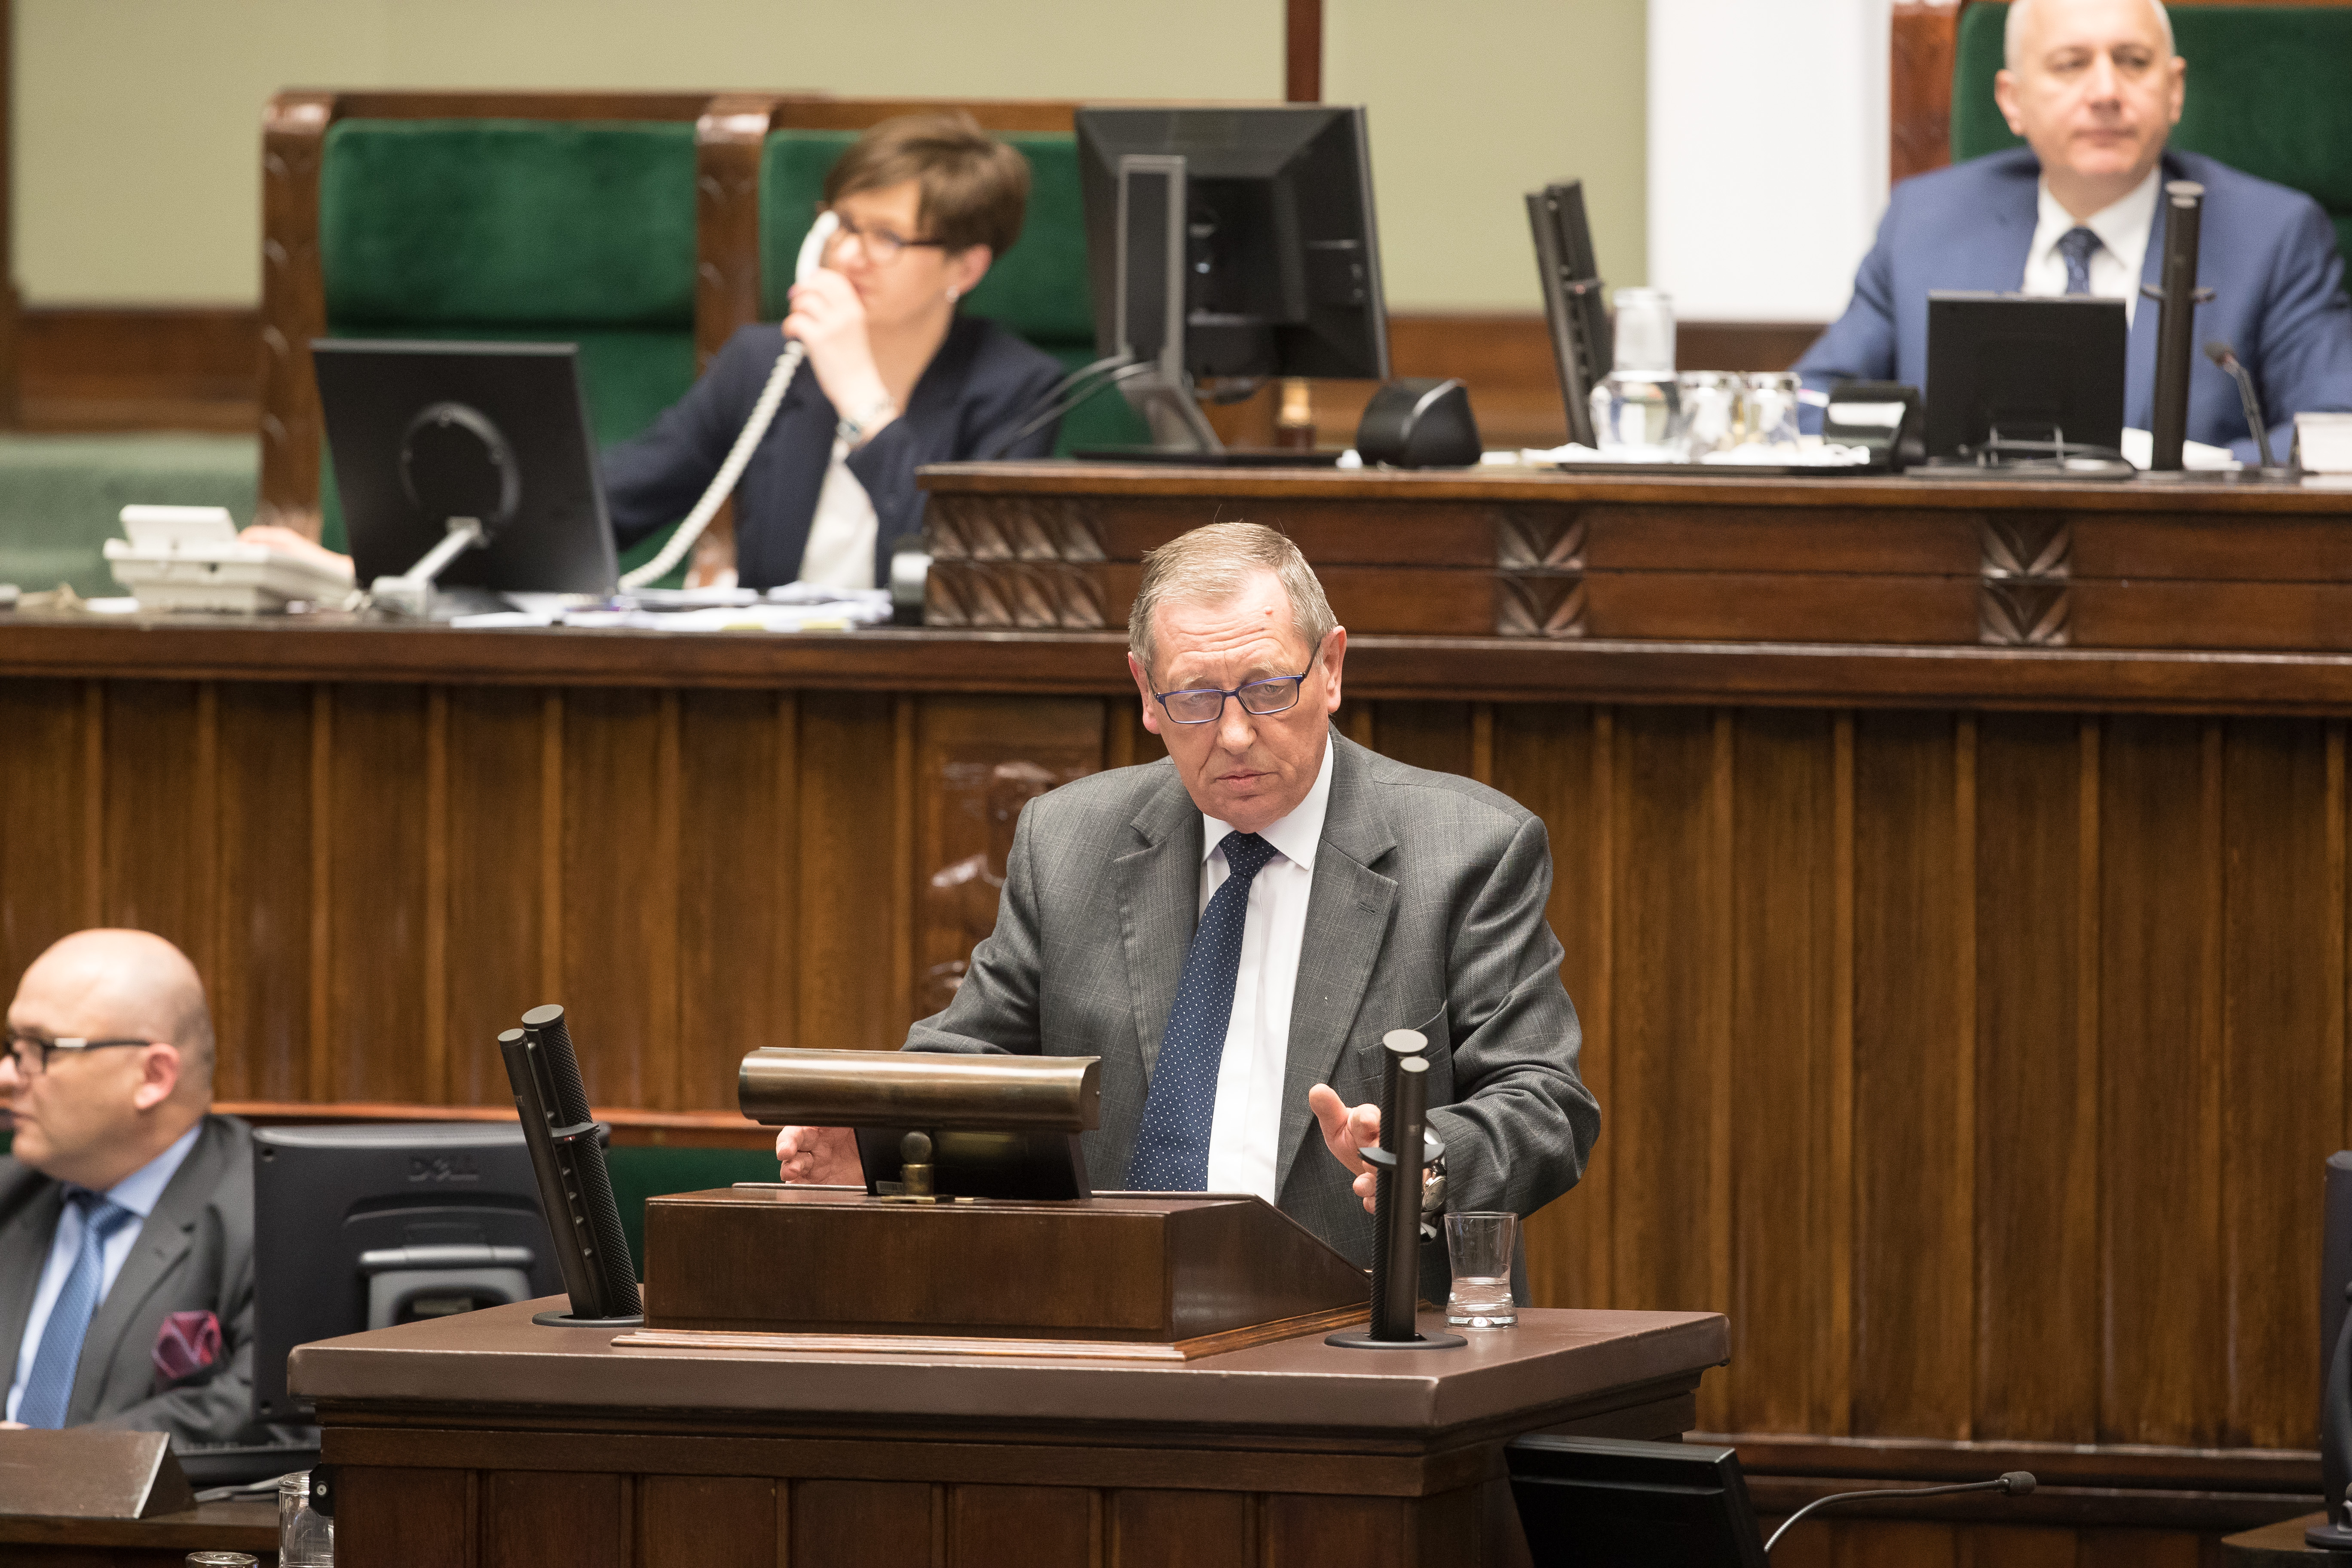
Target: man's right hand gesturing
<point x="821" y="1156"/>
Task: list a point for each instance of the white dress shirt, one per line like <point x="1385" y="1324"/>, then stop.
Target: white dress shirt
<point x="840" y="549"/>
<point x="1246" y="1131"/>
<point x="2123" y="230"/>
<point x="139" y="1192"/>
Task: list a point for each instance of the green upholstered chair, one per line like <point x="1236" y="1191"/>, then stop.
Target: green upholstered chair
<point x="536" y="230"/>
<point x="650" y="1171"/>
<point x="1037" y="290"/>
<point x="2270" y="92"/>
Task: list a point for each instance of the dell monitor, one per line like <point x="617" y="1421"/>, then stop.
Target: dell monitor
<point x="359" y="1227"/>
<point x="2013" y="379"/>
<point x="1229" y="245"/>
<point x="1595" y="1502"/>
<point x="427" y="436"/>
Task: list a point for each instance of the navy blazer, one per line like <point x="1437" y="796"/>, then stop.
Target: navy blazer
<point x="2267" y="252"/>
<point x="978" y="389"/>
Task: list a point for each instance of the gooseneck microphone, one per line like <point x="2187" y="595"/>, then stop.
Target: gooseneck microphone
<point x="2015" y="1483"/>
<point x="2221" y="355"/>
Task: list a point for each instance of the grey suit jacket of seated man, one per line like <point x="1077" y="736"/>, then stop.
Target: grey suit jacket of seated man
<point x="194" y="1253"/>
<point x="1427" y="912"/>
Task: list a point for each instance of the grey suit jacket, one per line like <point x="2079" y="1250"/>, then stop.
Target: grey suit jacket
<point x="1427" y="912"/>
<point x="194" y="1253"/>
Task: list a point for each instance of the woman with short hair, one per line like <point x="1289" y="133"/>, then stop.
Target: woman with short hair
<point x="895" y="378"/>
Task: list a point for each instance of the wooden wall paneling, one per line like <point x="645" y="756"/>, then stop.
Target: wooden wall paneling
<point x="1790" y="1077"/>
<point x="863" y="1524"/>
<point x="552" y="1519"/>
<point x="2125" y="1547"/>
<point x="374" y="837"/>
<point x="2162" y="884"/>
<point x="2283" y="1063"/>
<point x="977" y="762"/>
<point x="43" y="871"/>
<point x="264" y="959"/>
<point x="733" y="831"/>
<point x="1912" y="1086"/>
<point x="847" y="822"/>
<point x="1552" y="759"/>
<point x="1669" y="1024"/>
<point x="435" y="914"/>
<point x="1012" y="1527"/>
<point x="698" y="1521"/>
<point x="1376" y="1532"/>
<point x="2036" y="1276"/>
<point x="1172" y="1529"/>
<point x="497" y="913"/>
<point x="433" y="1525"/>
<point x="156" y="786"/>
<point x="620" y="906"/>
<point x="1434" y="735"/>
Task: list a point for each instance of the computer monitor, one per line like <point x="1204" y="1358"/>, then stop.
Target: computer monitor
<point x="423" y="432"/>
<point x="2030" y="370"/>
<point x="364" y="1226"/>
<point x="1229" y="243"/>
<point x="1595" y="1502"/>
<point x="1569" y="274"/>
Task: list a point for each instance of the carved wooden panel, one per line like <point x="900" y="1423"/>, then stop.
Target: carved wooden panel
<point x="2027" y="544"/>
<point x="1532" y="605"/>
<point x="1539" y="590"/>
<point x="1012" y="528"/>
<point x="2021" y="613"/>
<point x="1036" y="595"/>
<point x="2028" y="565"/>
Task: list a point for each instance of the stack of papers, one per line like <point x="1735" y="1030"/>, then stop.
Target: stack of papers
<point x="795" y="607"/>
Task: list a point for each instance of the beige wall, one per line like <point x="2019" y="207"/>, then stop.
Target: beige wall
<point x="137" y="121"/>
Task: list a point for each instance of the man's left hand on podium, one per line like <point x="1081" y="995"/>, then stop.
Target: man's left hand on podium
<point x="821" y="1156"/>
<point x="1346" y="1130"/>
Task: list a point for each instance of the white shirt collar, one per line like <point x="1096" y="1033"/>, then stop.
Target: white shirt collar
<point x="1296" y="835"/>
<point x="2122" y="226"/>
<point x="143" y="1188"/>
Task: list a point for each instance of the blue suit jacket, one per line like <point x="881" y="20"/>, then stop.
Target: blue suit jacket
<point x="980" y="386"/>
<point x="2267" y="252"/>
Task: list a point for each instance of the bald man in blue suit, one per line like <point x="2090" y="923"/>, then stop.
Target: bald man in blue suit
<point x="2095" y="88"/>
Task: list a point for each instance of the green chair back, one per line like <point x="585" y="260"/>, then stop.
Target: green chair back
<point x="520" y="230"/>
<point x="1037" y="290"/>
<point x="652" y="1170"/>
<point x="2270" y="92"/>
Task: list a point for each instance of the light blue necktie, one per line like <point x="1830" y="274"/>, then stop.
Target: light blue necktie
<point x="2076" y="246"/>
<point x="1171" y="1150"/>
<point x="49" y="1386"/>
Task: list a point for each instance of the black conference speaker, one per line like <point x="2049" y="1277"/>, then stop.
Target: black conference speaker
<point x="1419" y="423"/>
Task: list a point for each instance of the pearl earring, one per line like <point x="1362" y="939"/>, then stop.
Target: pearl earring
<point x="954" y="293"/>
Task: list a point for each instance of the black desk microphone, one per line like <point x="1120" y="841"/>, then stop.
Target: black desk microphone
<point x="2015" y="1483"/>
<point x="2221" y="355"/>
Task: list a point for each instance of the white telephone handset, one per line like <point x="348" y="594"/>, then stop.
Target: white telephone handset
<point x="763" y="413"/>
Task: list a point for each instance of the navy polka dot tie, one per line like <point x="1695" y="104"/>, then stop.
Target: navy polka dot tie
<point x="2075" y="246"/>
<point x="1171" y="1151"/>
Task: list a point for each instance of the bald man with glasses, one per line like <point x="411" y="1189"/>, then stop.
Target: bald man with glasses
<point x="126" y="1207"/>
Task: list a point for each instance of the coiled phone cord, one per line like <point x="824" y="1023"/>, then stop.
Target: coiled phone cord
<point x="722" y="484"/>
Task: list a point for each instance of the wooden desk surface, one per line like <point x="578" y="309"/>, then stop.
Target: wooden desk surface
<point x="243" y="1526"/>
<point x="1553" y="1364"/>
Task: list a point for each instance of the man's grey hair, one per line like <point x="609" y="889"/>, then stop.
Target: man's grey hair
<point x="2014" y="34"/>
<point x="1212" y="565"/>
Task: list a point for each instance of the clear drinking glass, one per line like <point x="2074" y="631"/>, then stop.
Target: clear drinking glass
<point x="1637" y="407"/>
<point x="1769" y="409"/>
<point x="1710" y="411"/>
<point x="1480" y="1245"/>
<point x="306" y="1538"/>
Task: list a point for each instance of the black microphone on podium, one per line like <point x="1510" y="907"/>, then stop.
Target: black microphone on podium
<point x="2221" y="355"/>
<point x="2014" y="1483"/>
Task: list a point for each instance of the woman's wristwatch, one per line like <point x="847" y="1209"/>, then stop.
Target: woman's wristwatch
<point x="855" y="427"/>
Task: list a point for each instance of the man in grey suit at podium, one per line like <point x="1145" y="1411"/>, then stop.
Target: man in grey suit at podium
<point x="1234" y="929"/>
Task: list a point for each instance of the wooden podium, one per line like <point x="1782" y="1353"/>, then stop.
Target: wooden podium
<point x="485" y="1439"/>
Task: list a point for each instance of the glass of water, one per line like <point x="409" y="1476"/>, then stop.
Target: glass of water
<point x="1481" y="1246"/>
<point x="1710" y="411"/>
<point x="1769" y="409"/>
<point x="1637" y="407"/>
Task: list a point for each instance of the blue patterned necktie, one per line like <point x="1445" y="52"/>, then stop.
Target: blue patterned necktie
<point x="49" y="1386"/>
<point x="2076" y="246"/>
<point x="1171" y="1150"/>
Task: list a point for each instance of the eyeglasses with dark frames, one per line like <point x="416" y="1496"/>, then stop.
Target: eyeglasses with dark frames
<point x="32" y="1052"/>
<point x="1205" y="705"/>
<point x="881" y="246"/>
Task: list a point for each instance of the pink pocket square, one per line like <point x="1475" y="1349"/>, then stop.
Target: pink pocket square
<point x="187" y="1343"/>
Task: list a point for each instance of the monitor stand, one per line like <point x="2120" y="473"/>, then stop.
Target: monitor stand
<point x="1182" y="435"/>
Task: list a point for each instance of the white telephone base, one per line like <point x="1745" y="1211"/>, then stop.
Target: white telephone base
<point x="190" y="558"/>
